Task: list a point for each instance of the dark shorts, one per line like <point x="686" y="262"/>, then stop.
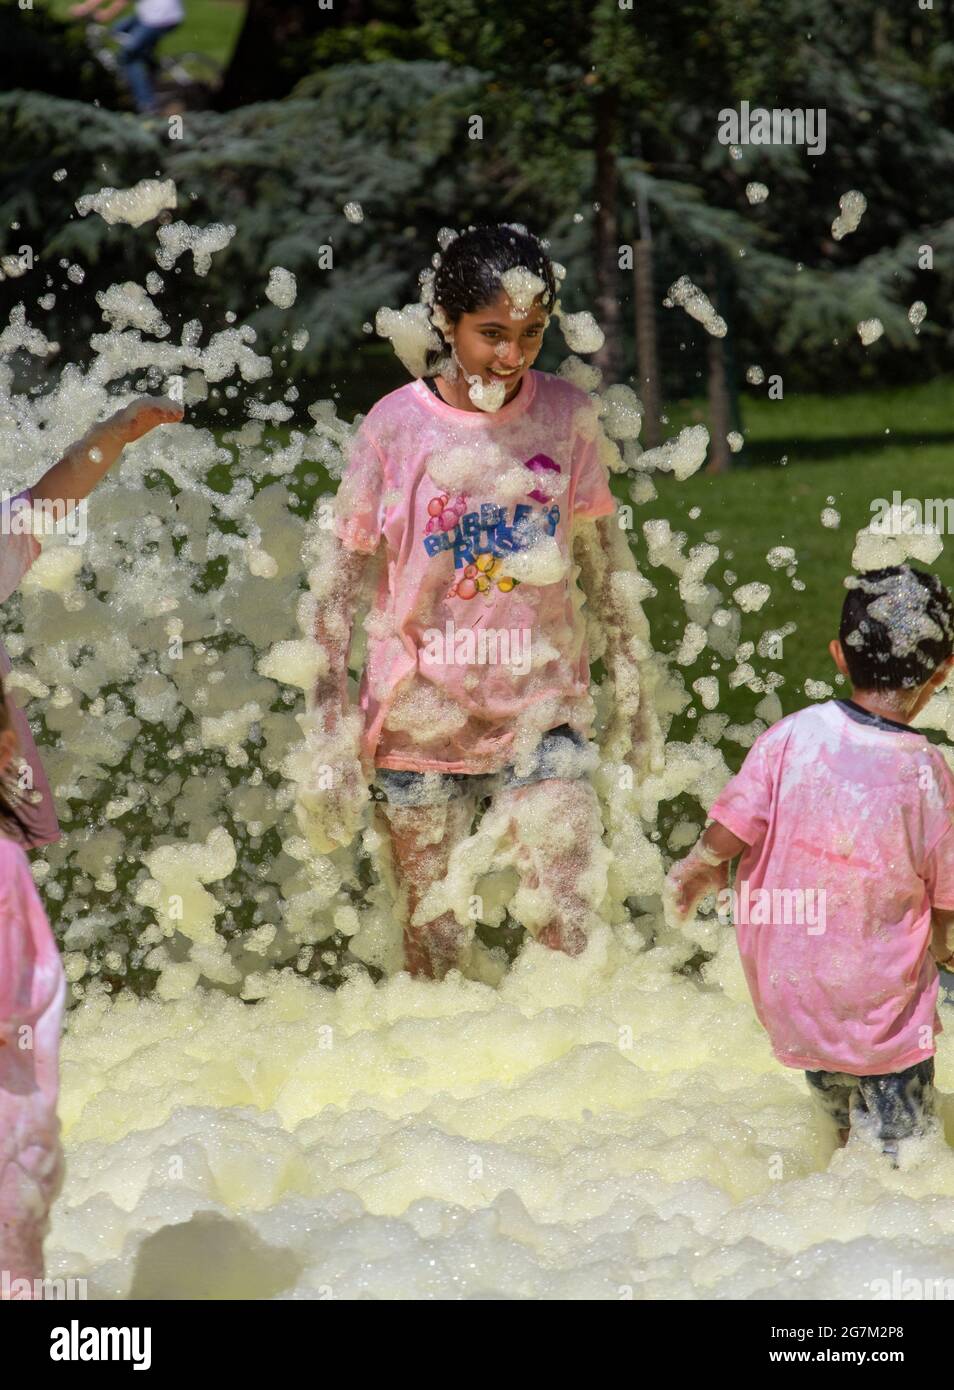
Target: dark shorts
<point x="402" y="788"/>
<point x="899" y="1104"/>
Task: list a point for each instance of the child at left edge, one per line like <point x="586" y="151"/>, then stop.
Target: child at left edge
<point x="69" y="481"/>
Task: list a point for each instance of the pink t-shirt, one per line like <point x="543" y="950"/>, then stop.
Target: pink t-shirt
<point x="32" y="997"/>
<point x="458" y="645"/>
<point x="858" y="818"/>
<point x="34" y="806"/>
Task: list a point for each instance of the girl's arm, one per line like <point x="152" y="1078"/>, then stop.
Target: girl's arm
<point x="330" y="813"/>
<point x="76" y="474"/>
<point x="614" y="590"/>
<point x="342" y="574"/>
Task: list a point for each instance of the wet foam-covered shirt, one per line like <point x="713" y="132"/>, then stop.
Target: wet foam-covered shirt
<point x="477" y="625"/>
<point x="849" y="823"/>
<point x="33" y="798"/>
<point x="32" y="998"/>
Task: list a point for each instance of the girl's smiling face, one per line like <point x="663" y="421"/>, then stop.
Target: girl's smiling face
<point x="500" y="343"/>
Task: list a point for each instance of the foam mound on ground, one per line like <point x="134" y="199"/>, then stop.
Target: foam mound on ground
<point x="592" y="1128"/>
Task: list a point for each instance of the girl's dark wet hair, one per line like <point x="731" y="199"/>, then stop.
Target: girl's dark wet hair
<point x="9" y="818"/>
<point x="910" y="633"/>
<point x="467" y="277"/>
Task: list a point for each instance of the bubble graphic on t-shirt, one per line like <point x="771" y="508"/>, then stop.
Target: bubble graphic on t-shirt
<point x="444" y="512"/>
<point x="486" y="571"/>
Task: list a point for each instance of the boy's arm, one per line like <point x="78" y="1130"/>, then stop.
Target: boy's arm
<point x="720" y="842"/>
<point x="942" y="918"/>
<point x="75" y="475"/>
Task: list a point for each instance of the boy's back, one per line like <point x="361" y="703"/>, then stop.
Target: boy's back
<point x="852" y="814"/>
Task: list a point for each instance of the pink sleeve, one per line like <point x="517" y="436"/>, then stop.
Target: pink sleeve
<point x="938" y="868"/>
<point x="939" y="871"/>
<point x="18" y="549"/>
<point x="592" y="497"/>
<point x="744" y="803"/>
<point x="359" y="506"/>
<point x="30" y="966"/>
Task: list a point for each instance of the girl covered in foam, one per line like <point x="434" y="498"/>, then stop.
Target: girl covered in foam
<point x="472" y="485"/>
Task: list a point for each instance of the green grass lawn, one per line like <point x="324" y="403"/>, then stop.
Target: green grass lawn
<point x="849" y="448"/>
<point x="210" y="26"/>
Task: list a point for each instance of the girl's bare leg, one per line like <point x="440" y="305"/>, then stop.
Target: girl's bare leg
<point x="23" y="1224"/>
<point x="421" y="842"/>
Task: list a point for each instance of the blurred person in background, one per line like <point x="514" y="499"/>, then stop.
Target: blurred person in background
<point x="138" y="34"/>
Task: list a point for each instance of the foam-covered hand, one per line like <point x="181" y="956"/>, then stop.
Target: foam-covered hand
<point x="332" y="780"/>
<point x="688" y="882"/>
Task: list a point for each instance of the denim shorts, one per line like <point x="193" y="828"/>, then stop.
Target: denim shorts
<point x="899" y="1104"/>
<point x="401" y="788"/>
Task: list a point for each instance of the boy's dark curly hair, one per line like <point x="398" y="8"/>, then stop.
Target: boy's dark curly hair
<point x="897" y="627"/>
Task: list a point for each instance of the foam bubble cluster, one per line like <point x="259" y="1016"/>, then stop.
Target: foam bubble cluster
<point x="684" y="294"/>
<point x="852" y="205"/>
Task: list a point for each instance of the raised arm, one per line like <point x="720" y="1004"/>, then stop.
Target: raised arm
<point x="74" y="476"/>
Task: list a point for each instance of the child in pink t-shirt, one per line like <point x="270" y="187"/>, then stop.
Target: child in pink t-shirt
<point x="66" y="483"/>
<point x="32" y="993"/>
<point x="471" y="481"/>
<point x="844" y="817"/>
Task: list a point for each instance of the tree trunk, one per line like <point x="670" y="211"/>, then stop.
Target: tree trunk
<point x="271" y="32"/>
<point x="647" y="351"/>
<point x="610" y="357"/>
<point x="880" y="34"/>
<point x="719" y="410"/>
<point x="720" y="401"/>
